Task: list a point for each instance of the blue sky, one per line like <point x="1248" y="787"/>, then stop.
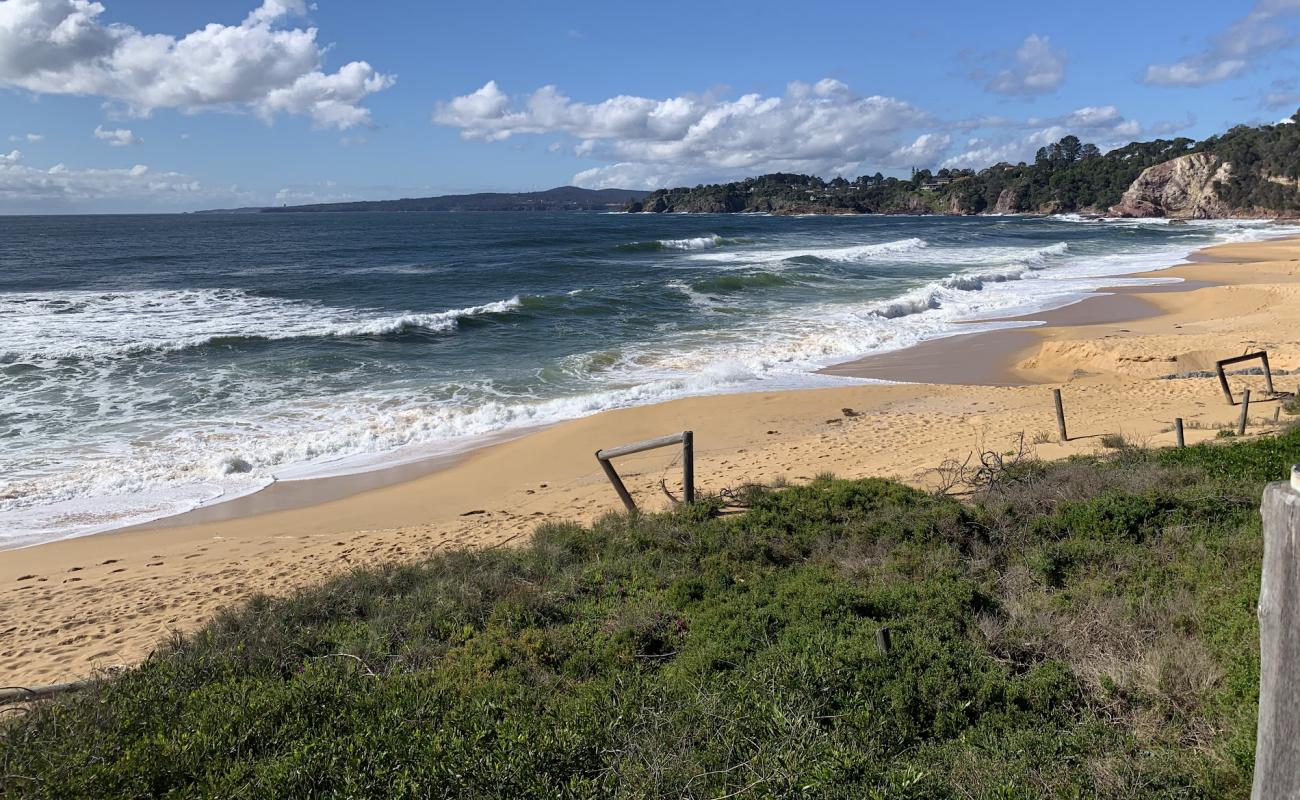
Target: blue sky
<point x="126" y="105"/>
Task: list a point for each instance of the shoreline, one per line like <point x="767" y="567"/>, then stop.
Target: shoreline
<point x="990" y="350"/>
<point x="76" y="604"/>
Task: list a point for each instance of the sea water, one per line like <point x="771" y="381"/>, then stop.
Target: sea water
<point x="152" y="364"/>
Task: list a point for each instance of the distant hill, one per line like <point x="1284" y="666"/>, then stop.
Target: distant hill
<point x="563" y="198"/>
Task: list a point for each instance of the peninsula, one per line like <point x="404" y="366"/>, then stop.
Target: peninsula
<point x="561" y="198"/>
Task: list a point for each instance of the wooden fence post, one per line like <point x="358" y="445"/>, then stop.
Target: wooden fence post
<point x="614" y="479"/>
<point x="1245" y="413"/>
<point x="1060" y="415"/>
<point x="688" y="466"/>
<point x="1268" y="373"/>
<point x="1277" y="741"/>
<point x="1178" y="431"/>
<point x="686" y="439"/>
<point x="1262" y="355"/>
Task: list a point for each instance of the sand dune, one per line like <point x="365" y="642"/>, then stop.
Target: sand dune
<point x="69" y="607"/>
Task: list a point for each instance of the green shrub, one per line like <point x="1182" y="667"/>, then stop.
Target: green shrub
<point x="1086" y="631"/>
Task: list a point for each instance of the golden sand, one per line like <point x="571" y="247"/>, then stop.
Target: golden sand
<point x="67" y="608"/>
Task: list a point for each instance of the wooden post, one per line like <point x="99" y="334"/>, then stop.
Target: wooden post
<point x="1277" y="752"/>
<point x="1262" y="355"/>
<point x="686" y="439"/>
<point x="1223" y="384"/>
<point x="688" y="466"/>
<point x="1060" y="415"/>
<point x="1178" y="431"/>
<point x="1245" y="413"/>
<point x="882" y="639"/>
<point x="621" y="489"/>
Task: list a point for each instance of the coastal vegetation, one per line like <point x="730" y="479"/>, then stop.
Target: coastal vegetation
<point x="1261" y="177"/>
<point x="1077" y="628"/>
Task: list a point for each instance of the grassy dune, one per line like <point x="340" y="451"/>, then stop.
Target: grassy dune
<point x="1083" y="628"/>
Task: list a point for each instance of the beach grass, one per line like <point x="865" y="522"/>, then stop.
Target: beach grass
<point x="1080" y="628"/>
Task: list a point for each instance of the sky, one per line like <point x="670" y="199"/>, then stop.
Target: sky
<point x="158" y="105"/>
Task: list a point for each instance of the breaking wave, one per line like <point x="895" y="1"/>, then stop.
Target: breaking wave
<point x="105" y="325"/>
<point x="695" y="243"/>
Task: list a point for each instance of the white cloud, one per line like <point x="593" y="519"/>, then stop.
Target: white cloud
<point x="1283" y="94"/>
<point x="818" y="128"/>
<point x="1104" y="126"/>
<point x="61" y="47"/>
<point x="823" y="129"/>
<point x="24" y="187"/>
<point x="1232" y="52"/>
<point x="29" y="137"/>
<point x="120" y="137"/>
<point x="926" y="148"/>
<point x="1036" y="68"/>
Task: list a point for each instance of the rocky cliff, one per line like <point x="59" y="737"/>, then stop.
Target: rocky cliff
<point x="1182" y="188"/>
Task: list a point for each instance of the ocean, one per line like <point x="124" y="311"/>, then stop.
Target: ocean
<point x="152" y="364"/>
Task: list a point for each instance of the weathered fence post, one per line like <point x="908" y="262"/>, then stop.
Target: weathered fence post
<point x="1245" y="413"/>
<point x="688" y="466"/>
<point x="1277" y="741"/>
<point x="1262" y="355"/>
<point x="1178" y="431"/>
<point x="686" y="439"/>
<point x="614" y="479"/>
<point x="1060" y="415"/>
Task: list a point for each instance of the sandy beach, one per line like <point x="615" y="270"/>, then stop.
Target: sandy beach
<point x="70" y="607"/>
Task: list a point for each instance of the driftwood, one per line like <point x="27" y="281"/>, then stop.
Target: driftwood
<point x="24" y="694"/>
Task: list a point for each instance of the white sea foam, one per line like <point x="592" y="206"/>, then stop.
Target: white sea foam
<point x="46" y="326"/>
<point x="851" y="253"/>
<point x="696" y="243"/>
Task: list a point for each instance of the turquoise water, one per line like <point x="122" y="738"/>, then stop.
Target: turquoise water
<point x="149" y="364"/>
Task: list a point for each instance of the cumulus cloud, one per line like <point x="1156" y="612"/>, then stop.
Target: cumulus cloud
<point x="924" y="150"/>
<point x="1018" y="141"/>
<point x="120" y="137"/>
<point x="818" y="128"/>
<point x="24" y="187"/>
<point x="1233" y="51"/>
<point x="62" y="47"/>
<point x="1035" y="68"/>
<point x="822" y="128"/>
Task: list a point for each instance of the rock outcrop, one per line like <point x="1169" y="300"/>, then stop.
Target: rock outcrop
<point x="1183" y="188"/>
<point x="1006" y="202"/>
